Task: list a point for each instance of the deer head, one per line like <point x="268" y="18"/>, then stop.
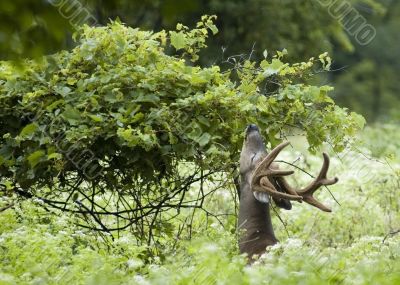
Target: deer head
<point x="261" y="179"/>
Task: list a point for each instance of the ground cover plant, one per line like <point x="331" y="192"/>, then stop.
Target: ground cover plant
<point x="351" y="246"/>
<point x="118" y="165"/>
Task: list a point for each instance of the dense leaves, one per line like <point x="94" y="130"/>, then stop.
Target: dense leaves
<point x="121" y="113"/>
<point x="364" y="74"/>
<point x="30" y="28"/>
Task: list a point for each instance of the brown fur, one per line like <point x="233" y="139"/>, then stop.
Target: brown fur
<point x="254" y="224"/>
<point x="255" y="227"/>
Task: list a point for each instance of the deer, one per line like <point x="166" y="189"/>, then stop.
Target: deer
<point x="260" y="180"/>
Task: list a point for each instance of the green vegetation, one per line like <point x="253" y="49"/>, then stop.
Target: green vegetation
<point x="369" y="84"/>
<point x="347" y="246"/>
<point x="30" y="28"/>
<point x="120" y="142"/>
<point x="106" y="129"/>
<point x="364" y="74"/>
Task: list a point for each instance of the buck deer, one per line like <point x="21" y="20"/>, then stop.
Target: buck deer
<point x="262" y="179"/>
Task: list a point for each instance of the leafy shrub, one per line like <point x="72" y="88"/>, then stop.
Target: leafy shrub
<point x="119" y="128"/>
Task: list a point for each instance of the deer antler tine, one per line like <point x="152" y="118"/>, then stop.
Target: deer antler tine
<point x="325" y="167"/>
<point x="321" y="179"/>
<point x="266" y="186"/>
<point x="271" y="156"/>
<point x="260" y="181"/>
<point x="324" y="171"/>
<point x="314" y="202"/>
<point x="286" y="186"/>
<point x="307" y="192"/>
<point x="274" y="153"/>
<point x="265" y="171"/>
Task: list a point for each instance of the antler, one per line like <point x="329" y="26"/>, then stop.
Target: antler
<point x="263" y="174"/>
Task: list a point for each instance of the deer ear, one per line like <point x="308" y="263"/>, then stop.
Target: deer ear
<point x="261" y="197"/>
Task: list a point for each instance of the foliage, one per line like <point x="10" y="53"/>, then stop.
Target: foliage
<point x="30" y="28"/>
<point x="33" y="27"/>
<point x="120" y="120"/>
<point x="365" y="75"/>
<point x="271" y="25"/>
<point x="369" y="84"/>
<point x="131" y="131"/>
<point x="349" y="246"/>
<point x="387" y="146"/>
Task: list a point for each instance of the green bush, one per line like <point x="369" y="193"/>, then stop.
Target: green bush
<point x="104" y="129"/>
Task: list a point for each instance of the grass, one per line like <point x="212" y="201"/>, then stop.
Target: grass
<point x="353" y="245"/>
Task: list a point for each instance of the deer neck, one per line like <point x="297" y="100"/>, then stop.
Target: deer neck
<point x="254" y="224"/>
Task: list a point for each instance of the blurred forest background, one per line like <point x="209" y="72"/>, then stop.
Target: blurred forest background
<point x="365" y="76"/>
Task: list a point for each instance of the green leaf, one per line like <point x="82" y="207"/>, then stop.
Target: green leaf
<point x="54" y="105"/>
<point x="35" y="158"/>
<point x="204" y="139"/>
<point x="63" y="91"/>
<point x="8" y="184"/>
<point x="75" y="196"/>
<point x="96" y="118"/>
<point x="195" y="131"/>
<point x="213" y="28"/>
<point x="204" y="121"/>
<point x="197" y="79"/>
<point x="28" y="130"/>
<point x="359" y="120"/>
<point x="271" y="68"/>
<point x="54" y="155"/>
<point x="148" y="98"/>
<point x="178" y="40"/>
<point x="71" y="80"/>
<point x="111" y="97"/>
<point x="72" y="115"/>
<point x="137" y="117"/>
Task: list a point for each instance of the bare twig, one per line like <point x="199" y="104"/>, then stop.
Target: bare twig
<point x="390" y="235"/>
<point x="6" y="207"/>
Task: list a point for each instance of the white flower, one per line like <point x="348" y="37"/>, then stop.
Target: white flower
<point x="124" y="240"/>
<point x="293" y="243"/>
<point x="134" y="263"/>
<point x="140" y="280"/>
<point x="6" y="278"/>
<point x="211" y="247"/>
<point x="79" y="234"/>
<point x="37" y="200"/>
